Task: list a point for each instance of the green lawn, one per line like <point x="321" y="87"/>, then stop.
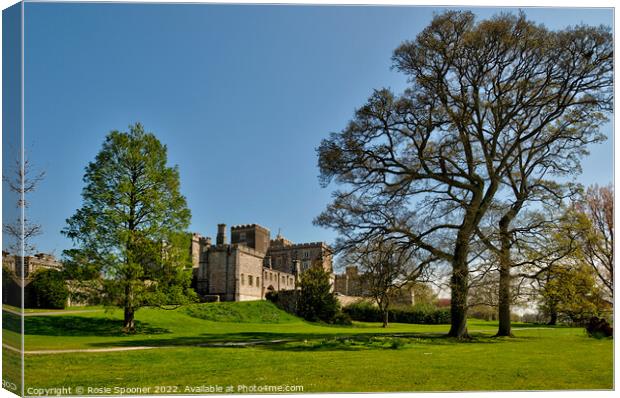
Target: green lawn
<point x="363" y="357"/>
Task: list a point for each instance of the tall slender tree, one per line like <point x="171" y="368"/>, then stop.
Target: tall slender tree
<point x="131" y="226"/>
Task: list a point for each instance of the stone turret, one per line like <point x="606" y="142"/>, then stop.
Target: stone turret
<point x="221" y="234"/>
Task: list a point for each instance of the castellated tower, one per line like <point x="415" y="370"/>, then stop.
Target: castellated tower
<point x="199" y="246"/>
<point x="250" y="235"/>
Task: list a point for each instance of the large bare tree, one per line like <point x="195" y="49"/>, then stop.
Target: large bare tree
<point x="427" y="165"/>
<point x="22" y="181"/>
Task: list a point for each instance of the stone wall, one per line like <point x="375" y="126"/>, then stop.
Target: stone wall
<point x="350" y="283"/>
<point x="283" y="254"/>
<point x="287" y="301"/>
<point x="198" y="248"/>
<point x="217" y="275"/>
<point x="249" y="272"/>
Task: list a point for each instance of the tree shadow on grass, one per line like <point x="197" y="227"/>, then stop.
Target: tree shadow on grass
<point x="301" y="341"/>
<point x="11" y="322"/>
<point x="68" y="325"/>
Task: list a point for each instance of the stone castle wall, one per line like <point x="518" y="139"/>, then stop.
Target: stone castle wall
<point x="249" y="273"/>
<point x="245" y="268"/>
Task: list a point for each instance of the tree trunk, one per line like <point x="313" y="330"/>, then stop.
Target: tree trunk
<point x="505" y="263"/>
<point x="459" y="285"/>
<point x="554" y="317"/>
<point x="129" y="324"/>
<point x="386" y="314"/>
<point x="505" y="326"/>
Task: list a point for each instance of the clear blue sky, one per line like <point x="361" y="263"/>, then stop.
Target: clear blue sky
<point x="241" y="95"/>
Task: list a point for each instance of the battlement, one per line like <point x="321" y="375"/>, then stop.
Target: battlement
<point x="196" y="237"/>
<point x="231" y="247"/>
<point x="281" y="242"/>
<point x="312" y="244"/>
<point x="249" y="226"/>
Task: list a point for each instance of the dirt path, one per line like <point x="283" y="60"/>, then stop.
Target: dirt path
<point x="110" y="349"/>
<point x="136" y="348"/>
<point x="46" y="313"/>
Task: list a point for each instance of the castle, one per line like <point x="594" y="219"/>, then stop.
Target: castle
<point x="31" y="264"/>
<point x="15" y="284"/>
<point x="252" y="264"/>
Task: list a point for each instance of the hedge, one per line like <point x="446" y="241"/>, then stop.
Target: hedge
<point x="425" y="314"/>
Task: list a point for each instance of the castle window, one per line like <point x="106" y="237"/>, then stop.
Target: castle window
<point x="250" y="280"/>
<point x="306" y="254"/>
<point x="242" y="236"/>
<point x="257" y="281"/>
<point x="242" y="279"/>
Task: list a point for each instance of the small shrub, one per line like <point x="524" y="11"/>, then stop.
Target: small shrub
<point x="424" y="314"/>
<point x="363" y="311"/>
<point x="395" y="344"/>
<point x="272" y="296"/>
<point x="50" y="289"/>
<point x="599" y="328"/>
<point x="342" y="318"/>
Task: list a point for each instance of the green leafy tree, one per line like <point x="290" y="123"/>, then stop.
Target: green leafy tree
<point x="131" y="226"/>
<point x="594" y="219"/>
<point x="553" y="265"/>
<point x="316" y="300"/>
<point x="423" y="293"/>
<point x="571" y="295"/>
<point x="50" y="289"/>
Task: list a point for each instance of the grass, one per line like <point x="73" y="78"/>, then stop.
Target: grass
<point x="362" y="357"/>
<point x="246" y="312"/>
<point x="157" y="327"/>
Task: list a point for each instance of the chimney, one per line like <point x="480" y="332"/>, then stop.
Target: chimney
<point x="221" y="234"/>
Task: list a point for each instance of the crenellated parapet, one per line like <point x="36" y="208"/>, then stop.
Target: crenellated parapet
<point x="249" y="226"/>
